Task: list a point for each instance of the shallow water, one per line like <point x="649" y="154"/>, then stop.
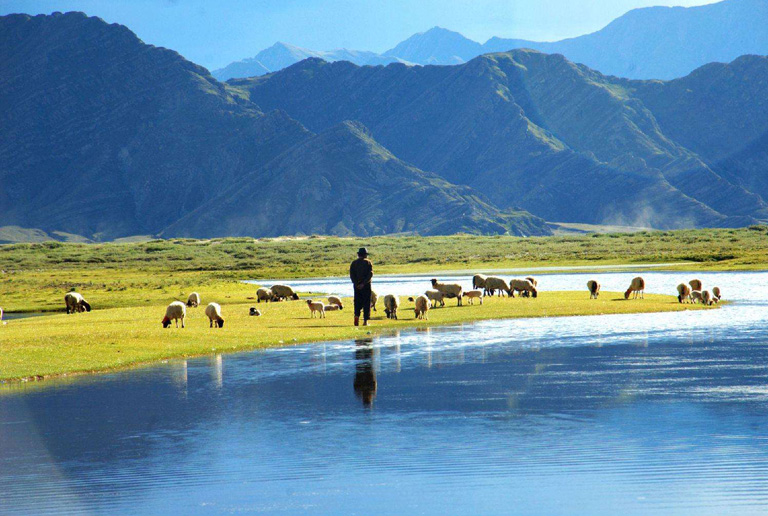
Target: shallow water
<point x="632" y="414"/>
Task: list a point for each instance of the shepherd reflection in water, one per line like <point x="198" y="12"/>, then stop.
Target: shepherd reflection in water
<point x="365" y="377"/>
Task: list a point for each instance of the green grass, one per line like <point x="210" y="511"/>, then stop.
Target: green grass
<point x="122" y="337"/>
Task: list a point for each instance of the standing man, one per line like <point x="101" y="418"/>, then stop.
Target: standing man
<point x="361" y="274"/>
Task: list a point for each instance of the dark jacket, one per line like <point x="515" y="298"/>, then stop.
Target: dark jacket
<point x="361" y="273"/>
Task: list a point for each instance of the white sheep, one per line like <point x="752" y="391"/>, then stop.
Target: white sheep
<point x="175" y="311"/>
<point x="264" y="294"/>
<point x="478" y="281"/>
<point x="316" y="308"/>
<point x="213" y="311"/>
<point x="716" y="293"/>
<point x="193" y="300"/>
<point x="283" y="292"/>
<point x="471" y="295"/>
<point x="696" y="296"/>
<point x="421" y="306"/>
<point x="435" y="296"/>
<point x="335" y="300"/>
<point x="391" y="303"/>
<point x="683" y="293"/>
<point x="374" y="299"/>
<point x="75" y="303"/>
<point x="493" y="283"/>
<point x="637" y="286"/>
<point x="594" y="289"/>
<point x="695" y="284"/>
<point x="522" y="285"/>
<point x="449" y="290"/>
<point x="331" y="308"/>
<point x="707" y="298"/>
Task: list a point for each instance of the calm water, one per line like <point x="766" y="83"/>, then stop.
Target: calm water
<point x="636" y="414"/>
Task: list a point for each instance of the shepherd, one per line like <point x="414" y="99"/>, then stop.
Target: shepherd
<point x="361" y="274"/>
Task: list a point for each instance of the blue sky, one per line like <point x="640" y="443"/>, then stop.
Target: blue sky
<point x="215" y="33"/>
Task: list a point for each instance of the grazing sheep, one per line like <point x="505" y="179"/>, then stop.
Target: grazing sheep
<point x="594" y="289"/>
<point x="435" y="296"/>
<point x="193" y="300"/>
<point x="331" y="308"/>
<point x="707" y="298"/>
<point x="449" y="290"/>
<point x="637" y="286"/>
<point x="421" y="306"/>
<point x="522" y="285"/>
<point x="391" y="303"/>
<point x="374" y="299"/>
<point x="492" y="284"/>
<point x="316" y="308"/>
<point x="683" y="293"/>
<point x="471" y="295"/>
<point x="696" y="296"/>
<point x="283" y="292"/>
<point x="254" y="312"/>
<point x="533" y="281"/>
<point x="265" y="294"/>
<point x="335" y="300"/>
<point x="213" y="311"/>
<point x="175" y="311"/>
<point x="75" y="303"/>
<point x="478" y="281"/>
<point x="716" y="293"/>
<point x="695" y="284"/>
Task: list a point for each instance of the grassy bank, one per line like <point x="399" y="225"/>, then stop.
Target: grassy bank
<point x="121" y="337"/>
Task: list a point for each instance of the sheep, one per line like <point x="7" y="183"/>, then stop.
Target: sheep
<point x="374" y="299"/>
<point x="492" y="284"/>
<point x="637" y="286"/>
<point x="335" y="300"/>
<point x="471" y="295"/>
<point x="683" y="293"/>
<point x="254" y="313"/>
<point x="522" y="285"/>
<point x="175" y="311"/>
<point x="533" y="281"/>
<point x="316" y="308"/>
<point x="594" y="289"/>
<point x="331" y="308"/>
<point x="449" y="290"/>
<point x="696" y="296"/>
<point x="391" y="303"/>
<point x="716" y="293"/>
<point x="435" y="296"/>
<point x="478" y="281"/>
<point x="707" y="298"/>
<point x="75" y="303"/>
<point x="213" y="311"/>
<point x="193" y="300"/>
<point x="421" y="306"/>
<point x="283" y="292"/>
<point x="265" y="294"/>
<point x="695" y="284"/>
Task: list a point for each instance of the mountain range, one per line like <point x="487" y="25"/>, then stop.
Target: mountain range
<point x="646" y="43"/>
<point x="105" y="136"/>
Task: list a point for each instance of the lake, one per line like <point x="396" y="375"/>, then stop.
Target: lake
<point x="631" y="414"/>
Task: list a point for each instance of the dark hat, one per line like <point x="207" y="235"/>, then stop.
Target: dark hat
<point x="362" y="252"/>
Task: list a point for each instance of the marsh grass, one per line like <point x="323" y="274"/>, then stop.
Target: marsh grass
<point x="114" y="338"/>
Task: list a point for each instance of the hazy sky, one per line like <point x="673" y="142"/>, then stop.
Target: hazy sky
<point x="215" y="33"/>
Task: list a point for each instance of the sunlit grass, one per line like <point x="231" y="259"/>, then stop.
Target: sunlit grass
<point x="120" y="337"/>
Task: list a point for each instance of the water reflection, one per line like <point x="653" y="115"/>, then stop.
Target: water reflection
<point x="365" y="374"/>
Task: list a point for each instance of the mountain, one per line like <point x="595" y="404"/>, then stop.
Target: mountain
<point x="355" y="187"/>
<point x="281" y="55"/>
<point x="105" y="136"/>
<point x="526" y="129"/>
<point x="647" y="43"/>
<point x="663" y="42"/>
<point x="437" y="46"/>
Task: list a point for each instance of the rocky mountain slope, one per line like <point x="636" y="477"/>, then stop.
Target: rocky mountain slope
<point x="526" y="129"/>
<point x="105" y="136"/>
<point x="647" y="43"/>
